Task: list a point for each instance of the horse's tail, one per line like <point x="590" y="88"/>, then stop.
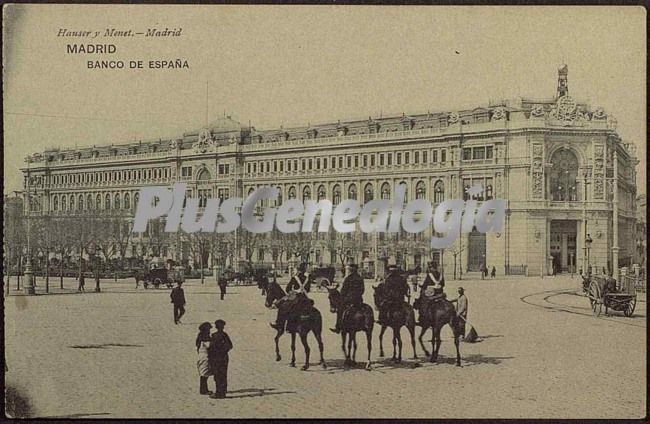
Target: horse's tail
<point x="317" y="321"/>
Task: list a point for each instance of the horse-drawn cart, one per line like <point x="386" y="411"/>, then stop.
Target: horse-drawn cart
<point x="160" y="276"/>
<point x="601" y="293"/>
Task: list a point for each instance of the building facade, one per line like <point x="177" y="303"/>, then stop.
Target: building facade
<point x="568" y="178"/>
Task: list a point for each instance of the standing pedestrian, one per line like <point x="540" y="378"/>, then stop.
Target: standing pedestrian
<point x="461" y="310"/>
<point x="494" y="272"/>
<point x="82" y="283"/>
<point x="223" y="283"/>
<point x="178" y="299"/>
<point x="203" y="363"/>
<point x="220" y="345"/>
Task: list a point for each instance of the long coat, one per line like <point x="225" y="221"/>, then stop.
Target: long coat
<point x="352" y="289"/>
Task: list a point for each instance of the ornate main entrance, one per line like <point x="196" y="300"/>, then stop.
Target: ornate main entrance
<point x="476" y="250"/>
<point x="563" y="245"/>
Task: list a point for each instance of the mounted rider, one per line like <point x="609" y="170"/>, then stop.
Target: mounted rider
<point x="396" y="288"/>
<point x="351" y="294"/>
<point x="432" y="289"/>
<point x="296" y="300"/>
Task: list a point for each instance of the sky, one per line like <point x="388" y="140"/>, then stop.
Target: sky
<point x="294" y="65"/>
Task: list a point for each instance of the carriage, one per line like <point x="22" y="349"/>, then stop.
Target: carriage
<point x="160" y="276"/>
<point x="623" y="300"/>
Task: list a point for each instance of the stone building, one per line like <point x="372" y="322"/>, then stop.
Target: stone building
<point x="568" y="177"/>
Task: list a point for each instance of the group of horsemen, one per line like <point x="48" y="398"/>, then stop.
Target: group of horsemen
<point x="395" y="288"/>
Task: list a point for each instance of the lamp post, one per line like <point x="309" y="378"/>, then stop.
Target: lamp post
<point x="28" y="285"/>
<point x="588" y="242"/>
<point x="98" y="250"/>
<point x="586" y="173"/>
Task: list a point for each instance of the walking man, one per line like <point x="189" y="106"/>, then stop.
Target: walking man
<point x="461" y="310"/>
<point x="82" y="283"/>
<point x="178" y="299"/>
<point x="494" y="272"/>
<point x="220" y="345"/>
<point x="223" y="283"/>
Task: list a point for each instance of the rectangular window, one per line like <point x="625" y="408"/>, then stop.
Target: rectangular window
<point x="489" y="154"/>
<point x="356" y="161"/>
<point x="434" y="156"/>
<point x="478" y="153"/>
<point x="340" y="161"/>
<point x="372" y="160"/>
<point x="349" y="160"/>
<point x="398" y="159"/>
<point x="389" y="159"/>
<point x="311" y="164"/>
<point x="318" y="163"/>
<point x="333" y="163"/>
<point x="304" y="165"/>
<point x="289" y="166"/>
<point x="248" y="168"/>
<point x="186" y="172"/>
<point x="407" y="158"/>
<point x="254" y="167"/>
<point x="424" y="156"/>
<point x="381" y="159"/>
<point x="467" y="153"/>
<point x="365" y="161"/>
<point x="275" y="166"/>
<point x="416" y="157"/>
<point x="281" y="166"/>
<point x="443" y="156"/>
<point x="325" y="163"/>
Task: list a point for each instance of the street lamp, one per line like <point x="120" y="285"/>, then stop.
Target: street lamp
<point x="588" y="242"/>
<point x="97" y="262"/>
<point x="28" y="285"/>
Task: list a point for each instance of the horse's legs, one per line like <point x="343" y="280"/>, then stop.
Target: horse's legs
<point x="369" y="343"/>
<point x="345" y="353"/>
<point x="349" y="348"/>
<point x="319" y="339"/>
<point x="381" y="341"/>
<point x="394" y="345"/>
<point x="293" y="349"/>
<point x="277" y="347"/>
<point x="354" y="343"/>
<point x="411" y="330"/>
<point x="422" y="331"/>
<point x="399" y="344"/>
<point x="457" y="344"/>
<point x="305" y="344"/>
<point x="438" y="342"/>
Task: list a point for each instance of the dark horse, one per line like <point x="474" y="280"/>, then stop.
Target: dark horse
<point x="360" y="318"/>
<point x="438" y="314"/>
<point x="275" y="297"/>
<point x="397" y="317"/>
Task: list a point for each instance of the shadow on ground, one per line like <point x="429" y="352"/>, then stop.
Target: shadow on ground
<point x="103" y="346"/>
<point x="253" y="392"/>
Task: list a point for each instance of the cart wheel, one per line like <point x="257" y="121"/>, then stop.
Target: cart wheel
<point x="629" y="308"/>
<point x="157" y="282"/>
<point x="595" y="298"/>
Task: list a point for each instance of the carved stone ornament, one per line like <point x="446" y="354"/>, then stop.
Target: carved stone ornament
<point x="498" y="114"/>
<point x="173" y="145"/>
<point x="205" y="142"/>
<point x="564" y="110"/>
<point x="232" y="139"/>
<point x="611" y="122"/>
<point x="599" y="114"/>
<point x="537" y="111"/>
<point x="537" y="150"/>
<point x="453" y="117"/>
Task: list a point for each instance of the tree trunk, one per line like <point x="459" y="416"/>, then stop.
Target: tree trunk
<point x="201" y="260"/>
<point x="61" y="273"/>
<point x="20" y="271"/>
<point x="47" y="269"/>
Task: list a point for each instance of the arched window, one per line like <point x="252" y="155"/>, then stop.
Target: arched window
<point x="72" y="203"/>
<point x="385" y="191"/>
<point x="321" y="192"/>
<point x="204" y="175"/>
<point x="81" y="202"/>
<point x="488" y="192"/>
<point x="292" y="192"/>
<point x="368" y="193"/>
<point x="55" y="203"/>
<point x="563" y="176"/>
<point x="98" y="201"/>
<point x="438" y="192"/>
<point x="278" y="202"/>
<point x="64" y="203"/>
<point x="89" y="201"/>
<point x="352" y="192"/>
<point x="127" y="201"/>
<point x="136" y="197"/>
<point x="336" y="195"/>
<point x="420" y="190"/>
<point x="107" y="202"/>
<point x="117" y="201"/>
<point x="306" y="193"/>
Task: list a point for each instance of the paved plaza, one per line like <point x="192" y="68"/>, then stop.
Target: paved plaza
<point x="118" y="354"/>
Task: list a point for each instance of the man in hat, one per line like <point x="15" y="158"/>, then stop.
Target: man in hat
<point x="396" y="289"/>
<point x="178" y="299"/>
<point x="432" y="289"/>
<point x="296" y="300"/>
<point x="220" y="345"/>
<point x="461" y="309"/>
<point x="351" y="294"/>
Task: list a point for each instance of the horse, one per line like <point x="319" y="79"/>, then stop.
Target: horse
<point x="275" y="296"/>
<point x="360" y="318"/>
<point x="438" y="314"/>
<point x="397" y="317"/>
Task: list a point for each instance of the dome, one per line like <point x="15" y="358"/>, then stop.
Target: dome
<point x="225" y="124"/>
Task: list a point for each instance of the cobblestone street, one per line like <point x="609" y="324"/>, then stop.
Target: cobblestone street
<point x="118" y="354"/>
